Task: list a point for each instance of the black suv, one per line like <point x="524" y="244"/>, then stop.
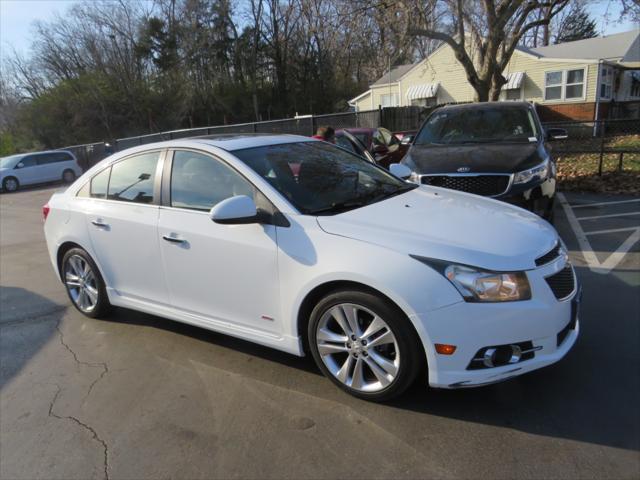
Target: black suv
<point x="495" y="149"/>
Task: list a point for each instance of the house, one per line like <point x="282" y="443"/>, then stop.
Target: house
<point x="570" y="81"/>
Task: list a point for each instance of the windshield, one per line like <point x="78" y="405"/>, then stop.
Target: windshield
<point x="9" y="162"/>
<point x="322" y="179"/>
<point x="478" y="125"/>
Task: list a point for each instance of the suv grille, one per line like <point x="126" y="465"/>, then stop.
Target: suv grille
<point x="549" y="256"/>
<point x="562" y="283"/>
<point x="487" y="185"/>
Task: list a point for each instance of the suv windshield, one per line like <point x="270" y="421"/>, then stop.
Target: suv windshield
<point x="478" y="125"/>
<point x="321" y="179"/>
<point x="9" y="162"/>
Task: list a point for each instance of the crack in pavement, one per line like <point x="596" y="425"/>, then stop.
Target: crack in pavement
<point x="89" y="428"/>
<point x="103" y="365"/>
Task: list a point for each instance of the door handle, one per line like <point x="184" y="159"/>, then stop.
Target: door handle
<point x="173" y="239"/>
<point x="99" y="223"/>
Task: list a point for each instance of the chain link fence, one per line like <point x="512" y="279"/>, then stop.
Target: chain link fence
<point x="603" y="144"/>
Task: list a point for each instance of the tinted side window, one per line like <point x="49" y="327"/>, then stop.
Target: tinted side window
<point x="199" y="181"/>
<point x="31" y="161"/>
<point x="132" y="180"/>
<point x="61" y="157"/>
<point x="46" y="158"/>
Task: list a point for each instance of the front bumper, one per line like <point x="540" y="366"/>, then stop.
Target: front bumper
<point x="551" y="325"/>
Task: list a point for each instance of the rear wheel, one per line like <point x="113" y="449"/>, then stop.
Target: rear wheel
<point x="10" y="184"/>
<point x="364" y="344"/>
<point x="84" y="284"/>
<point x="68" y="176"/>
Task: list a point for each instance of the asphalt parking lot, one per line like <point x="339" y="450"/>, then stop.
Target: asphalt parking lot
<point x="138" y="396"/>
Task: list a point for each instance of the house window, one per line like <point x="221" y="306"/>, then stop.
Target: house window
<point x="424" y="102"/>
<point x="635" y="84"/>
<point x="513" y="94"/>
<point x="389" y="100"/>
<point x="606" y="82"/>
<point x="564" y="84"/>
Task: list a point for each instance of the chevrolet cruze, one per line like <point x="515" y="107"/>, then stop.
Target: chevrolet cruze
<point x="375" y="277"/>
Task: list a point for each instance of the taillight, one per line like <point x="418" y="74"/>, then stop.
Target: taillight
<point x="45" y="211"/>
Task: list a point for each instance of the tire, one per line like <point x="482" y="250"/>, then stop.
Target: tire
<point x="10" y="184"/>
<point x="84" y="284"/>
<point x="384" y="341"/>
<point x="68" y="176"/>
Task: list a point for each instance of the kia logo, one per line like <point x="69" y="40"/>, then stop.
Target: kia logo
<point x="464" y="169"/>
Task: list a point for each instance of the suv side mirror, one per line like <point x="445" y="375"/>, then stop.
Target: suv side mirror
<point x="400" y="170"/>
<point x="557" y="134"/>
<point x="236" y="210"/>
<point x="19" y="165"/>
<point x="407" y="140"/>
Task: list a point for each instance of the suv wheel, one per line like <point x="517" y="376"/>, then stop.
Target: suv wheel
<point x="68" y="176"/>
<point x="364" y="344"/>
<point x="10" y="184"/>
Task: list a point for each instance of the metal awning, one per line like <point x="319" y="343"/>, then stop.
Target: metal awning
<point x="514" y="80"/>
<point x="426" y="90"/>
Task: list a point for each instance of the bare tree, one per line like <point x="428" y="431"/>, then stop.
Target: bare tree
<point x="483" y="35"/>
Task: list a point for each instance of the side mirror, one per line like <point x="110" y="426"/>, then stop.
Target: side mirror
<point x="380" y="149"/>
<point x="407" y="139"/>
<point x="19" y="165"/>
<point x="400" y="170"/>
<point x="235" y="211"/>
<point x="557" y="134"/>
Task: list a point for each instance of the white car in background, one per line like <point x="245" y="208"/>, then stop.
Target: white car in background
<point x="375" y="277"/>
<point x="38" y="167"/>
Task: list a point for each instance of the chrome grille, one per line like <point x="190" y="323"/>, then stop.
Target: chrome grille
<point x="487" y="185"/>
<point x="562" y="283"/>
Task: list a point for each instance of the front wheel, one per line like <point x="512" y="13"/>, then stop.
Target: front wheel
<point x="10" y="184"/>
<point x="84" y="284"/>
<point x="364" y="344"/>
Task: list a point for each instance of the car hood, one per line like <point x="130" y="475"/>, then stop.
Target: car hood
<point x="452" y="226"/>
<point x="479" y="158"/>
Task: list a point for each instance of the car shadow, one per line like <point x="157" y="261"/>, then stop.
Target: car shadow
<point x="27" y="323"/>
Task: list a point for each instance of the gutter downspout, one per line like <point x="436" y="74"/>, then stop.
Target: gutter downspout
<point x="597" y="110"/>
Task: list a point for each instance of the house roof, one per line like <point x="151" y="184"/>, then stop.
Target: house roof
<point x="394" y="75"/>
<point x="624" y="47"/>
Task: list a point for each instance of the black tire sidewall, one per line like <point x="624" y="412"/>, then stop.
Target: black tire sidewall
<point x="4" y="184"/>
<point x="103" y="306"/>
<point x="73" y="176"/>
<point x="412" y="359"/>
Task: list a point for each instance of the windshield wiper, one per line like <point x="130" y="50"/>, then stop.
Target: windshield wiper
<point x="340" y="207"/>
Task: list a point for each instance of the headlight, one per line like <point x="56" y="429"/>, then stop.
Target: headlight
<point x="539" y="172"/>
<point x="476" y="285"/>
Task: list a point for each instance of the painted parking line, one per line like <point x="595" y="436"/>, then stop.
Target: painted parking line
<point x="612" y="261"/>
<point x="601" y="204"/>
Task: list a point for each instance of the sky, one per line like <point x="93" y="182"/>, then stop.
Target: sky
<point x="17" y="17"/>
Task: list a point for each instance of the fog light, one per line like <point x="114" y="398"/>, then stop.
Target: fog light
<point x="444" y="349"/>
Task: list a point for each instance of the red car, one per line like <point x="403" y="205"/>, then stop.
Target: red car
<point x="380" y="142"/>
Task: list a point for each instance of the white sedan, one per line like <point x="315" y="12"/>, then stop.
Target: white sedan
<point x="302" y="246"/>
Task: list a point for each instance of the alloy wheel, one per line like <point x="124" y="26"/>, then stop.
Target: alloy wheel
<point x="358" y="347"/>
<point x="68" y="176"/>
<point x="10" y="185"/>
<point x="81" y="283"/>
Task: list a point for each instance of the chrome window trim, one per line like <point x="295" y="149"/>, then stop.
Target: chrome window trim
<point x="509" y="184"/>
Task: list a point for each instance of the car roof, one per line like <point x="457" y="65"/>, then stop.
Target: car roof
<point x="357" y="130"/>
<point x="240" y="141"/>
<point x="482" y="105"/>
<point x="39" y="153"/>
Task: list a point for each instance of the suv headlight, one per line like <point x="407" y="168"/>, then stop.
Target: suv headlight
<point x="539" y="172"/>
<point x="477" y="285"/>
